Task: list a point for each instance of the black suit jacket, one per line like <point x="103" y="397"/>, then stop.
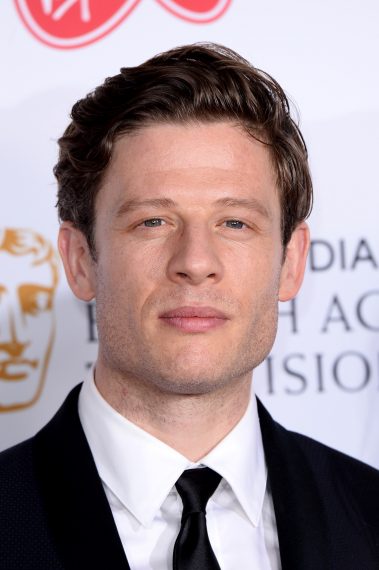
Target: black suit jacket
<point x="54" y="514"/>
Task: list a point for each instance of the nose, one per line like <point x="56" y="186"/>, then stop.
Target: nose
<point x="195" y="259"/>
<point x="10" y="341"/>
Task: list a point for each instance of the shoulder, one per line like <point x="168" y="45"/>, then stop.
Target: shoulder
<point x="324" y="457"/>
<point x="16" y="466"/>
<point x="18" y="462"/>
<point x="311" y="451"/>
<point x="27" y="540"/>
<point x="18" y="483"/>
<point x="19" y="493"/>
<point x="352" y="483"/>
<point x="25" y="536"/>
<point x="341" y="480"/>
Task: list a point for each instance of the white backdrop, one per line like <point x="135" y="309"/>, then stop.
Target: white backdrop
<point x="322" y="377"/>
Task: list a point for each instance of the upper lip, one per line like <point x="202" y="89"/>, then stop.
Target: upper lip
<point x="188" y="312"/>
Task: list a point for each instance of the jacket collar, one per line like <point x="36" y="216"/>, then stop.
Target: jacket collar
<point x="300" y="518"/>
<point x="76" y="505"/>
<point x="314" y="530"/>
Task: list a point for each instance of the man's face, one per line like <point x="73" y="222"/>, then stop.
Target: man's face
<point x="26" y="328"/>
<point x="189" y="257"/>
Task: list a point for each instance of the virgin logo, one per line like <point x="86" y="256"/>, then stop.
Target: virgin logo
<point x="74" y="23"/>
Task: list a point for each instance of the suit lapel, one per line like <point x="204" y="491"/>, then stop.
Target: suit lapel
<point x="302" y="522"/>
<point x="78" y="511"/>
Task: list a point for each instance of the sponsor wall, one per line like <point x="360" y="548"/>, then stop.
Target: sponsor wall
<point x="322" y="377"/>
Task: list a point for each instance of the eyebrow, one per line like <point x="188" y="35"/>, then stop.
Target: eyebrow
<point x="131" y="205"/>
<point x="249" y="203"/>
<point x="228" y="202"/>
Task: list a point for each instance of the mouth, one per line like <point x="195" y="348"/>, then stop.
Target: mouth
<point x="15" y="370"/>
<point x="194" y="319"/>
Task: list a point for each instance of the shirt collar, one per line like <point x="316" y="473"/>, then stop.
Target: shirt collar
<point x="239" y="459"/>
<point x="141" y="470"/>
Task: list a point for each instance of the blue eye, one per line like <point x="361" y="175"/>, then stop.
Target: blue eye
<point x="234" y="224"/>
<point x="153" y="223"/>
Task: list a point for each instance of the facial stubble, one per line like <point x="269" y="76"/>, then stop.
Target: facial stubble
<point x="132" y="357"/>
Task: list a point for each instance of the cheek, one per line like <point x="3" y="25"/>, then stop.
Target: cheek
<point x="154" y="264"/>
<point x="126" y="280"/>
<point x="135" y="265"/>
<point x="254" y="271"/>
<point x="40" y="328"/>
<point x="40" y="335"/>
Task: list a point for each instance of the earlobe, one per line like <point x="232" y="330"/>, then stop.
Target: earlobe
<point x="293" y="268"/>
<point x="77" y="261"/>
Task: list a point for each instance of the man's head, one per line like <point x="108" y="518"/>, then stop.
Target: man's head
<point x="29" y="276"/>
<point x="191" y="84"/>
<point x="183" y="186"/>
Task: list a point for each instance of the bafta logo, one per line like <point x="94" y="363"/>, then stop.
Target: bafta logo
<point x="28" y="281"/>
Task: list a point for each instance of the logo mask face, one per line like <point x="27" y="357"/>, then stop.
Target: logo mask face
<point x="28" y="280"/>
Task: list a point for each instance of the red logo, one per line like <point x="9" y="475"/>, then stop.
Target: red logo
<point x="69" y="24"/>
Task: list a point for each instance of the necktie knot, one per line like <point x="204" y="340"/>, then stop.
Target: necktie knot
<point x="192" y="549"/>
<point x="195" y="487"/>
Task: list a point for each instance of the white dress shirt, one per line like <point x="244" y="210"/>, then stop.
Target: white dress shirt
<point x="139" y="473"/>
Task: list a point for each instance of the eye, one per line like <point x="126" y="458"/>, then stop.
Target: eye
<point x="153" y="223"/>
<point x="35" y="299"/>
<point x="235" y="224"/>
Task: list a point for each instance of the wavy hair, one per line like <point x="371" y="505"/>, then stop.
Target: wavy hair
<point x="193" y="83"/>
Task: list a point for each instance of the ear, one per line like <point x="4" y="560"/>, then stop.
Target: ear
<point x="78" y="263"/>
<point x="293" y="268"/>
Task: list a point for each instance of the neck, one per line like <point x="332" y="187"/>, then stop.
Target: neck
<point x="191" y="424"/>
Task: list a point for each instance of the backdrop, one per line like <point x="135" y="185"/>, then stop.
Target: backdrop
<point x="322" y="377"/>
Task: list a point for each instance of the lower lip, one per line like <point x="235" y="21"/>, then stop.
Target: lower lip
<point x="194" y="324"/>
<point x="13" y="371"/>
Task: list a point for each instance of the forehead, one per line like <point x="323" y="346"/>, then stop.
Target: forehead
<point x="211" y="157"/>
<point x="18" y="269"/>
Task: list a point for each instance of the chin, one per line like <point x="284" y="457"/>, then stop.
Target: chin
<point x="195" y="380"/>
<point x="189" y="386"/>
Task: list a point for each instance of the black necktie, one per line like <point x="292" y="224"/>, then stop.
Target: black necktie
<point x="192" y="550"/>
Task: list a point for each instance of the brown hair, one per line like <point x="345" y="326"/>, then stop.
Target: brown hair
<point x="200" y="82"/>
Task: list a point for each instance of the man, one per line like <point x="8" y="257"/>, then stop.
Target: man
<point x="183" y="189"/>
<point x="28" y="281"/>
